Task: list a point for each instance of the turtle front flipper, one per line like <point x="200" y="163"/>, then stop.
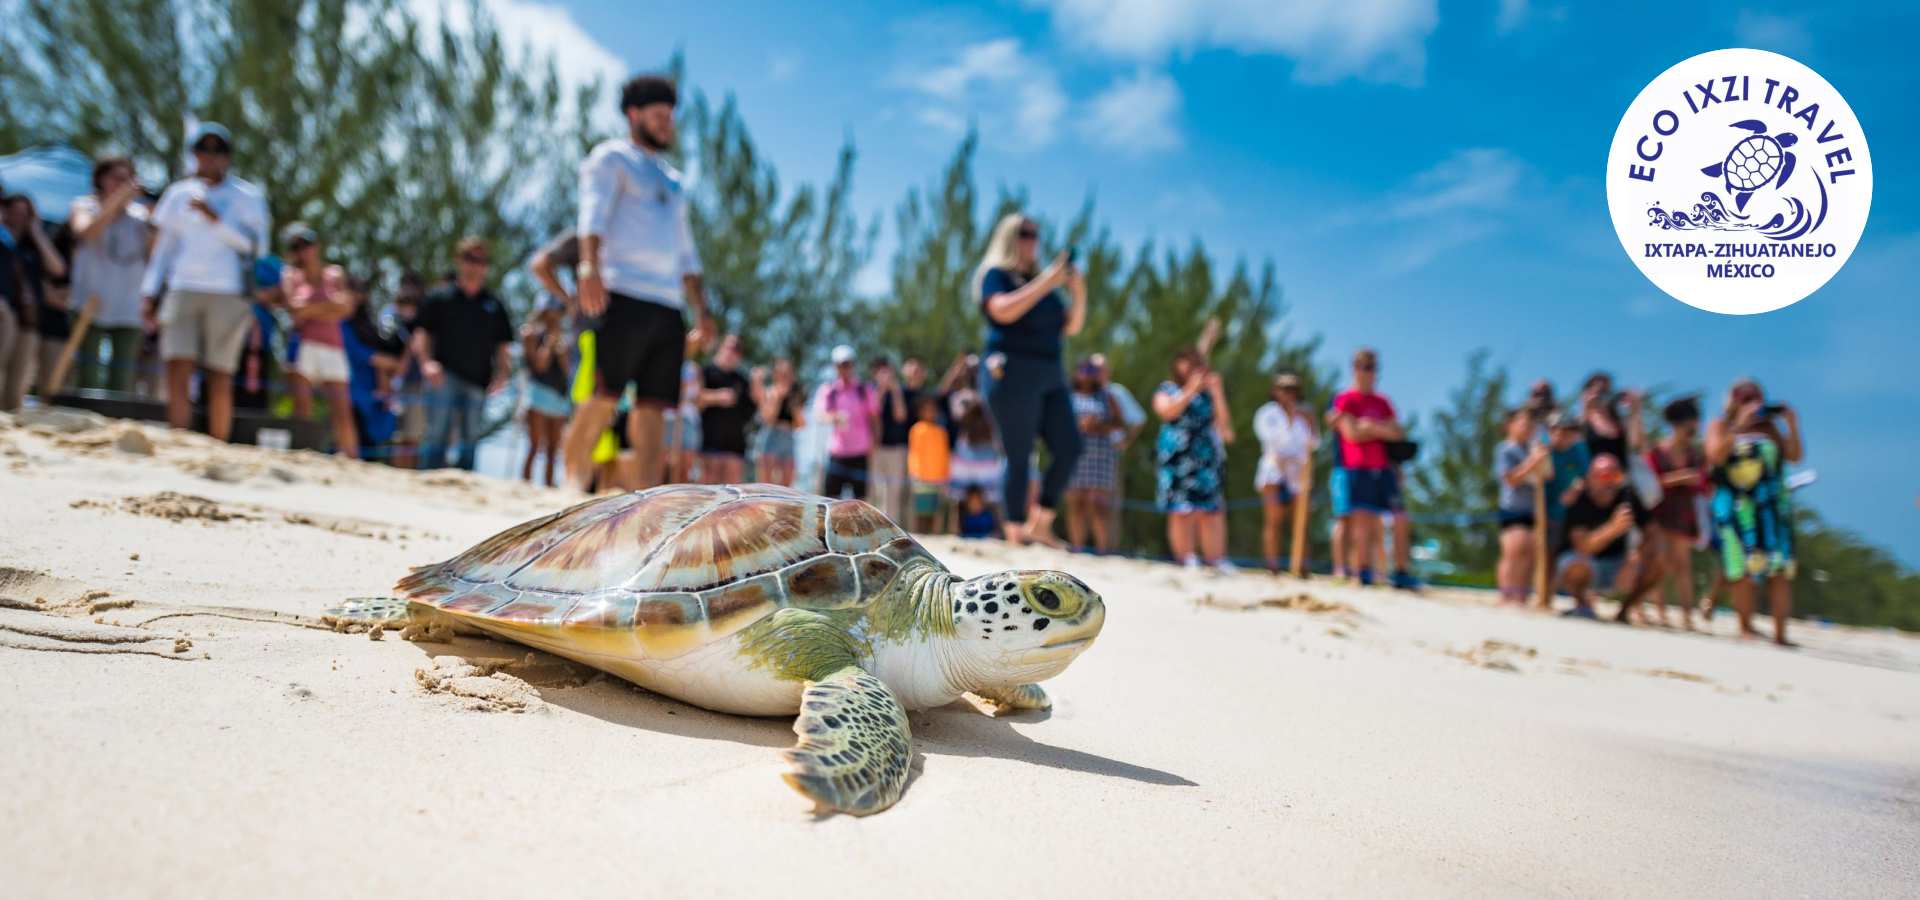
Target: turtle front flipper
<point x="1016" y="697"/>
<point x="855" y="745"/>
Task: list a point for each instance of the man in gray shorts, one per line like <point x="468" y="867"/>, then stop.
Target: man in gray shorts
<point x="212" y="227"/>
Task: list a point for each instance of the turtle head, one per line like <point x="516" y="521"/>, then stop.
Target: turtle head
<point x="1021" y="626"/>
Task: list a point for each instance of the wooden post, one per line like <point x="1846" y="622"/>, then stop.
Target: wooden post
<point x="79" y="333"/>
<point x="1301" y="500"/>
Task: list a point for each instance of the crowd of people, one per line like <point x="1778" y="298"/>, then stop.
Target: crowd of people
<point x="628" y="383"/>
<point x="1614" y="512"/>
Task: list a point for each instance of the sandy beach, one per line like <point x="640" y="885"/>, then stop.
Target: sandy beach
<point x="180" y="724"/>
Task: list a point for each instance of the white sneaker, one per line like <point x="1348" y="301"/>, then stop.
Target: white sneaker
<point x="1193" y="563"/>
<point x="1226" y="568"/>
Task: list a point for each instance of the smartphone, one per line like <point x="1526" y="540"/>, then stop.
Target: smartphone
<point x="1073" y="256"/>
<point x="1772" y="409"/>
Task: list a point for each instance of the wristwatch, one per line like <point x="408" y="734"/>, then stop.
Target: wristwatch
<point x="586" y="270"/>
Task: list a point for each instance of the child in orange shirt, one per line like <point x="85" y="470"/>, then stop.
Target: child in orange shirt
<point x="928" y="464"/>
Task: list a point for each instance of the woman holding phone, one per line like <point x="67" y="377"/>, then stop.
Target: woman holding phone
<point x="1748" y="448"/>
<point x="1028" y="318"/>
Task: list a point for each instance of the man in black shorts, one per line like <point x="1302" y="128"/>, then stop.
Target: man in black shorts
<point x="638" y="271"/>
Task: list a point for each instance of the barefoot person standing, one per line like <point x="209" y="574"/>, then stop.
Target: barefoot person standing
<point x="638" y="271"/>
<point x="1027" y="319"/>
<point x="1749" y="447"/>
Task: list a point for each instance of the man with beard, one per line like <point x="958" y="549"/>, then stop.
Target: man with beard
<point x="638" y="270"/>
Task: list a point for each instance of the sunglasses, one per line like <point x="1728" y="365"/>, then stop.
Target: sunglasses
<point x="1029" y="234"/>
<point x="298" y="246"/>
<point x="212" y="148"/>
<point x="473" y="259"/>
<point x="1364" y="367"/>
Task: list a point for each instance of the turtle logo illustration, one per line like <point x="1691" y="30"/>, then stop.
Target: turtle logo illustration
<point x="1757" y="160"/>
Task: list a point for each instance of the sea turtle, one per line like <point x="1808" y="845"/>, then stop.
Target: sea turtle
<point x="1757" y="160"/>
<point x="763" y="600"/>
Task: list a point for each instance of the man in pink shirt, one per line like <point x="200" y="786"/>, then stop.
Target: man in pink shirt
<point x="1366" y="421"/>
<point x="853" y="406"/>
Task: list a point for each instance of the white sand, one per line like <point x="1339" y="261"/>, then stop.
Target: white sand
<point x="1196" y="749"/>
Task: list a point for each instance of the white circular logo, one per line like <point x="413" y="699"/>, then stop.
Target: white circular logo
<point x="1739" y="181"/>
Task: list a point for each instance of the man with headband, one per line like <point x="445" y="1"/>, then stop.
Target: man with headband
<point x="638" y="271"/>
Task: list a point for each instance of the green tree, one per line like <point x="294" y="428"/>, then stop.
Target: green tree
<point x="391" y="140"/>
<point x="779" y="268"/>
<point x="1453" y="483"/>
<point x="929" y="310"/>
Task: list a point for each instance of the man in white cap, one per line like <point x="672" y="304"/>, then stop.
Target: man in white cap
<point x="853" y="407"/>
<point x="212" y="227"/>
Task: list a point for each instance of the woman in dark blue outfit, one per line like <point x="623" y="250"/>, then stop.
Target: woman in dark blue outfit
<point x="1026" y="382"/>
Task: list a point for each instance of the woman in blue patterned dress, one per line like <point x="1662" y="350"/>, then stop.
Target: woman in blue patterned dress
<point x="1193" y="460"/>
<point x="1748" y="448"/>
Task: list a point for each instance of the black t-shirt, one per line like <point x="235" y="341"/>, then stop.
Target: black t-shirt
<point x="723" y="429"/>
<point x="1597" y="443"/>
<point x="54" y="322"/>
<point x="1038" y="332"/>
<point x="467" y="331"/>
<point x="893" y="432"/>
<point x="791" y="405"/>
<point x="1591" y="515"/>
<point x="10" y="275"/>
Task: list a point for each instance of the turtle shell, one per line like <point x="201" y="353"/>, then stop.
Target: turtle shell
<point x="660" y="572"/>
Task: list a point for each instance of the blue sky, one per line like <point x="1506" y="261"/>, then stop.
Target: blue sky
<point x="1427" y="178"/>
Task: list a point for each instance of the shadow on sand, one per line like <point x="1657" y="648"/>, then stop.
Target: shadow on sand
<point x="957" y="729"/>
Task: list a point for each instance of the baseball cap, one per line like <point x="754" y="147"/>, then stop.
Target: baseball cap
<point x="1561" y="420"/>
<point x="298" y="231"/>
<point x="206" y="130"/>
<point x="842" y="354"/>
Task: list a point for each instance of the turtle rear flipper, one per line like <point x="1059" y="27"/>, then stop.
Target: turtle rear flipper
<point x="855" y="745"/>
<point x="1712" y="171"/>
<point x="1786" y="168"/>
<point x="366" y="612"/>
<point x="1754" y="125"/>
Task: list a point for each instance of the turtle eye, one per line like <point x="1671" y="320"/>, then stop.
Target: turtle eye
<point x="1046" y="599"/>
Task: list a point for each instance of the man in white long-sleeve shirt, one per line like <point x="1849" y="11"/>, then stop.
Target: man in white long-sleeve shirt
<point x="638" y="271"/>
<point x="212" y="226"/>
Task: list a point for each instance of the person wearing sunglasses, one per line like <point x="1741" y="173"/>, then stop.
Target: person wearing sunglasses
<point x="461" y="337"/>
<point x="1287" y="438"/>
<point x="1599" y="521"/>
<point x="317" y="295"/>
<point x="212" y="226"/>
<point x="1368" y="481"/>
<point x="1749" y="447"/>
<point x="1028" y="317"/>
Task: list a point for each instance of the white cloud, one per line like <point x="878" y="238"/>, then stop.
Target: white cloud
<point x="1136" y="114"/>
<point x="1468" y="198"/>
<point x="1190" y="202"/>
<point x="782" y="67"/>
<point x="1767" y="31"/>
<point x="546" y="29"/>
<point x="996" y="78"/>
<point x="1513" y="14"/>
<point x="1478" y="179"/>
<point x="1329" y="40"/>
